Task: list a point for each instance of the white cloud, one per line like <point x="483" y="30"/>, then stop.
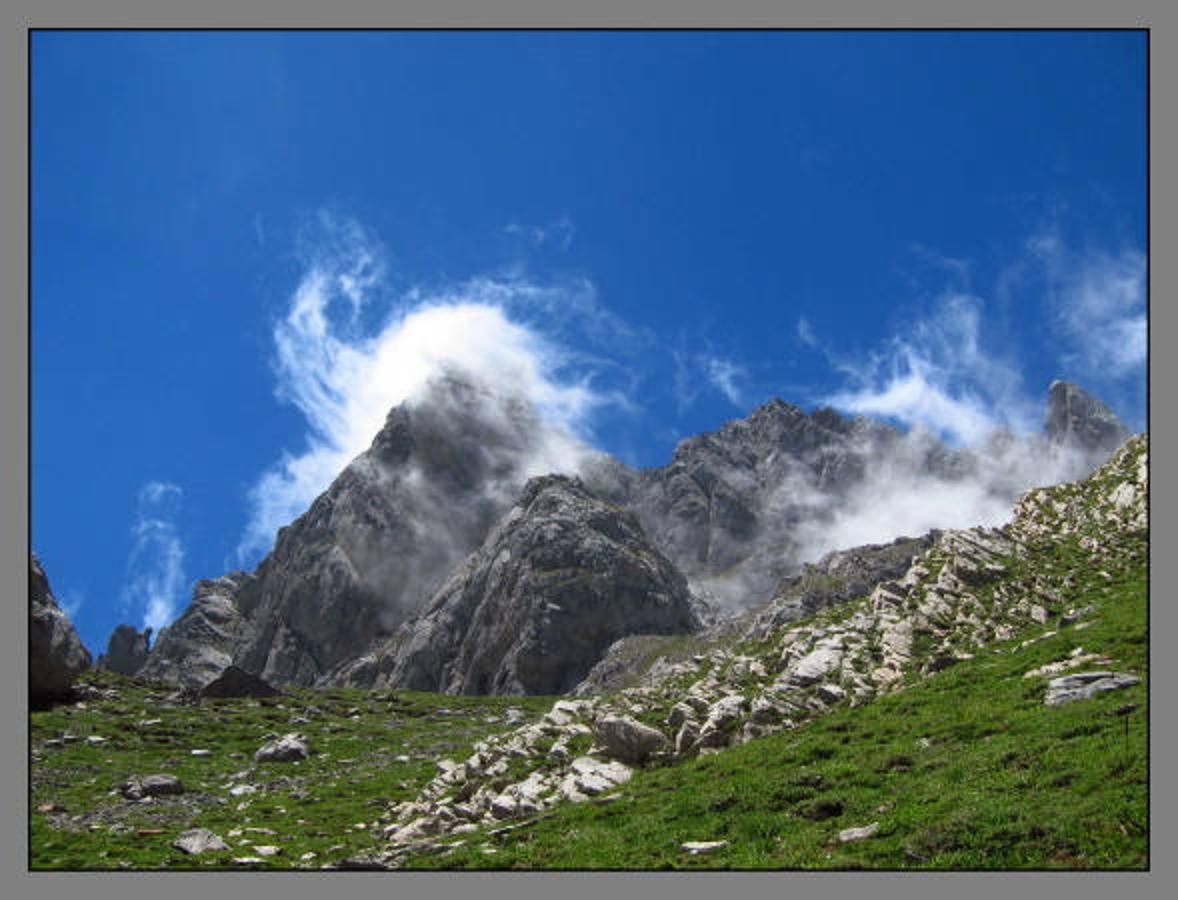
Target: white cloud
<point x="504" y="331"/>
<point x="939" y="376"/>
<point x="724" y="375"/>
<point x="155" y="567"/>
<point x="1098" y="303"/>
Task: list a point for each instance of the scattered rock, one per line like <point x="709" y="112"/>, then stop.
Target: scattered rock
<point x="139" y="787"/>
<point x="857" y="834"/>
<point x="288" y="748"/>
<point x="199" y="840"/>
<point x="695" y="848"/>
<point x="267" y="850"/>
<point x="1083" y="685"/>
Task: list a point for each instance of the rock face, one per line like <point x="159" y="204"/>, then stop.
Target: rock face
<point x="557" y="581"/>
<point x="126" y="651"/>
<point x="370" y="550"/>
<point x="56" y="653"/>
<point x="197" y="647"/>
<point x="732" y="497"/>
<point x="1076" y="417"/>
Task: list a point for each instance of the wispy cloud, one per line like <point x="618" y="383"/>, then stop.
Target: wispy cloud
<point x="155" y="567"/>
<point x="696" y="371"/>
<point x="558" y="233"/>
<point x="938" y="375"/>
<point x="1098" y="303"/>
<point x="344" y="378"/>
<point x="806" y="332"/>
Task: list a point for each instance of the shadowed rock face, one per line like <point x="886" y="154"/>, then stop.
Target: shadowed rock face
<point x="56" y="653"/>
<point x="560" y="578"/>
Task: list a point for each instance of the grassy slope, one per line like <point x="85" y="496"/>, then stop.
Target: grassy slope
<point x="1004" y="781"/>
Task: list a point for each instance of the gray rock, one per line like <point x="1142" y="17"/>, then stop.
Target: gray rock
<point x="288" y="748"/>
<point x="558" y="580"/>
<point x="56" y="653"/>
<point x="627" y="739"/>
<point x="723" y="717"/>
<point x="857" y="834"/>
<point x="139" y="786"/>
<point x="199" y="840"/>
<point x="236" y="682"/>
<point x="126" y="650"/>
<point x="1077" y="418"/>
<point x="1083" y="685"/>
<point x="371" y="549"/>
<point x="695" y="848"/>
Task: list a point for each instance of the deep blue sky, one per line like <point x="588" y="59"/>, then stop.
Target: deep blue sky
<point x="742" y="215"/>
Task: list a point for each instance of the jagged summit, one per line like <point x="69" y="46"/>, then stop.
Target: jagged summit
<point x="1074" y="416"/>
<point x="401" y="555"/>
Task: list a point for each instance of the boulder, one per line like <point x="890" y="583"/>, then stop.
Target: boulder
<point x="237" y="682"/>
<point x="288" y="748"/>
<point x="139" y="786"/>
<point x="626" y="739"/>
<point x="1082" y="685"/>
<point x="199" y="840"/>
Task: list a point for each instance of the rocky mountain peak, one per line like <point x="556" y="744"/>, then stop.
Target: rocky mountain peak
<point x="1076" y="417"/>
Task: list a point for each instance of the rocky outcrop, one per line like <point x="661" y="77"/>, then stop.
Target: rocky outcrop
<point x="126" y="650"/>
<point x="198" y="646"/>
<point x="56" y="653"/>
<point x="836" y="578"/>
<point x="557" y="581"/>
<point x="1076" y="418"/>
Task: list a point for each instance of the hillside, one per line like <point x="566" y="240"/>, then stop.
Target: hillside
<point x="985" y="709"/>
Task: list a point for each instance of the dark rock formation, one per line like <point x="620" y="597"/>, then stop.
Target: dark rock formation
<point x="56" y="653"/>
<point x="126" y="650"/>
<point x="557" y="581"/>
<point x="1076" y="417"/>
<point x="237" y="682"/>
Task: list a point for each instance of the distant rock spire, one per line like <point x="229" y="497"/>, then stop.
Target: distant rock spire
<point x="1076" y="417"/>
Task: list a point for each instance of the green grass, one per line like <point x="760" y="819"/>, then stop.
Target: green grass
<point x="312" y="806"/>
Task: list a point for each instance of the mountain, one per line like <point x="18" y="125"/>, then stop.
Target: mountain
<point x="393" y="574"/>
<point x="559" y="578"/>
<point x="372" y="548"/>
<point x="57" y="655"/>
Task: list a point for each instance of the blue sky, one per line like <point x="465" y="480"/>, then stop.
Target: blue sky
<point x="246" y="245"/>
